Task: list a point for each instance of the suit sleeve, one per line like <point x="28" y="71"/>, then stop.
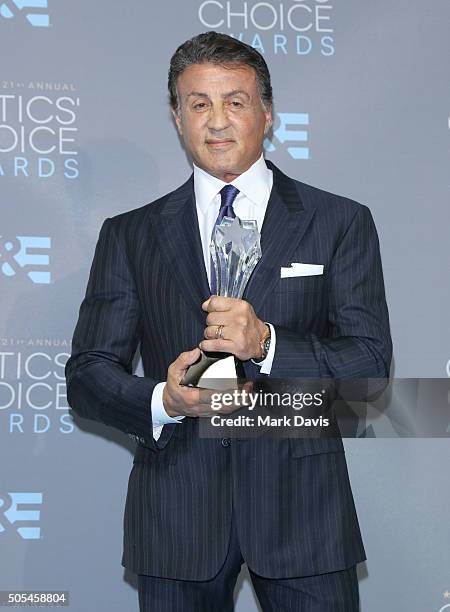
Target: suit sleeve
<point x="358" y="344"/>
<point x="100" y="383"/>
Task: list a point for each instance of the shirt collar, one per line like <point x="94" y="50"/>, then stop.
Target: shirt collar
<point x="254" y="183"/>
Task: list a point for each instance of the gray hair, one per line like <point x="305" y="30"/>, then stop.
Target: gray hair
<point x="216" y="48"/>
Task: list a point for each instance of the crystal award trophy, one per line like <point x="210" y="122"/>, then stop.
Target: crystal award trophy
<point x="235" y="251"/>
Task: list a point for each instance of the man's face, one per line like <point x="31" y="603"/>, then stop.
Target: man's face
<point x="221" y="118"/>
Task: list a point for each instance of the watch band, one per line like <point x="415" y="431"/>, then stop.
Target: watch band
<point x="264" y="344"/>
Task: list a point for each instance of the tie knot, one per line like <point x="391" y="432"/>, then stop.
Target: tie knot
<point x="227" y="195"/>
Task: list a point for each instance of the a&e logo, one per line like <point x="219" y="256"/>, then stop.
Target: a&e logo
<point x="8" y="10"/>
<point x="12" y="514"/>
<point x="22" y="256"/>
<point x="285" y="134"/>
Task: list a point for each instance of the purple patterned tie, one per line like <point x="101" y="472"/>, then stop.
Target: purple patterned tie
<point x="227" y="196"/>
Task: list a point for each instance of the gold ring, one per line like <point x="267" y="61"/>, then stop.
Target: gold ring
<point x="219" y="332"/>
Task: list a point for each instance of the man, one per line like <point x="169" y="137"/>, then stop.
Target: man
<point x="197" y="508"/>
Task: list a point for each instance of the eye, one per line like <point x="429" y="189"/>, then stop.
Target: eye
<point x="199" y="105"/>
<point x="236" y="104"/>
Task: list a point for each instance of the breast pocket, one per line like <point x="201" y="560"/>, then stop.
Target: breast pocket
<point x="305" y="284"/>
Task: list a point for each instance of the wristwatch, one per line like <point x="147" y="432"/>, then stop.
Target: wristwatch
<point x="264" y="344"/>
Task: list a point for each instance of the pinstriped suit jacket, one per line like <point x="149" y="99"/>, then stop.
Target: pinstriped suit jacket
<point x="292" y="498"/>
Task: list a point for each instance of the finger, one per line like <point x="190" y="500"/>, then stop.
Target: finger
<point x="184" y="360"/>
<point x="248" y="386"/>
<point x="205" y="304"/>
<point x="232" y="331"/>
<point x="219" y="345"/>
<point x="210" y="332"/>
<point x="188" y="395"/>
<point x="220" y="318"/>
<point x="206" y="396"/>
<point x="218" y="303"/>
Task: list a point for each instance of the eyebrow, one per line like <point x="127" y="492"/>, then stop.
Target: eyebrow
<point x="235" y="92"/>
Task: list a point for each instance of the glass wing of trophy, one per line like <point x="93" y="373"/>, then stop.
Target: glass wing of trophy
<point x="235" y="250"/>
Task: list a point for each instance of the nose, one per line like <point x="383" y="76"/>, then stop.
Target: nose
<point x="218" y="118"/>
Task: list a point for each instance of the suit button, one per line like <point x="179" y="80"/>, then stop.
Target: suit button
<point x="225" y="441"/>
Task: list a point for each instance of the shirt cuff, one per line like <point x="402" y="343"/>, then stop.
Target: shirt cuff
<point x="266" y="364"/>
<point x="159" y="414"/>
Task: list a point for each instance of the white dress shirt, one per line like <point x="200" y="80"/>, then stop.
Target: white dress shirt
<point x="255" y="185"/>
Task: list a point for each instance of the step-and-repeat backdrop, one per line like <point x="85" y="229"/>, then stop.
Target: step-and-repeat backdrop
<point x="361" y="109"/>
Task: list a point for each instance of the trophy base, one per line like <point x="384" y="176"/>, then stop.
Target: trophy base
<point x="217" y="371"/>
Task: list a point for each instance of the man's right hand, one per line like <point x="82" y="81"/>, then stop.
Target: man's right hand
<point x="179" y="400"/>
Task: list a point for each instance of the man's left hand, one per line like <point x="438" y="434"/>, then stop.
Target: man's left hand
<point x="239" y="329"/>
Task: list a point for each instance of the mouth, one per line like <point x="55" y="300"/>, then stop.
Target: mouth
<point x="215" y="143"/>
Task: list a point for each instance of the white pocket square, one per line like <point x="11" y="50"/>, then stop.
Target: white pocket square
<point x="301" y="269"/>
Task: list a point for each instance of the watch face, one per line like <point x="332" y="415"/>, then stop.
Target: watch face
<point x="267" y="345"/>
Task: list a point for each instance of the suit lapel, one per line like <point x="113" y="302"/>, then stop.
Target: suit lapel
<point x="285" y="223"/>
<point x="179" y="238"/>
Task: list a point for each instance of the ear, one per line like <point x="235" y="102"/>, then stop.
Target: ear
<point x="177" y="119"/>
<point x="269" y="120"/>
